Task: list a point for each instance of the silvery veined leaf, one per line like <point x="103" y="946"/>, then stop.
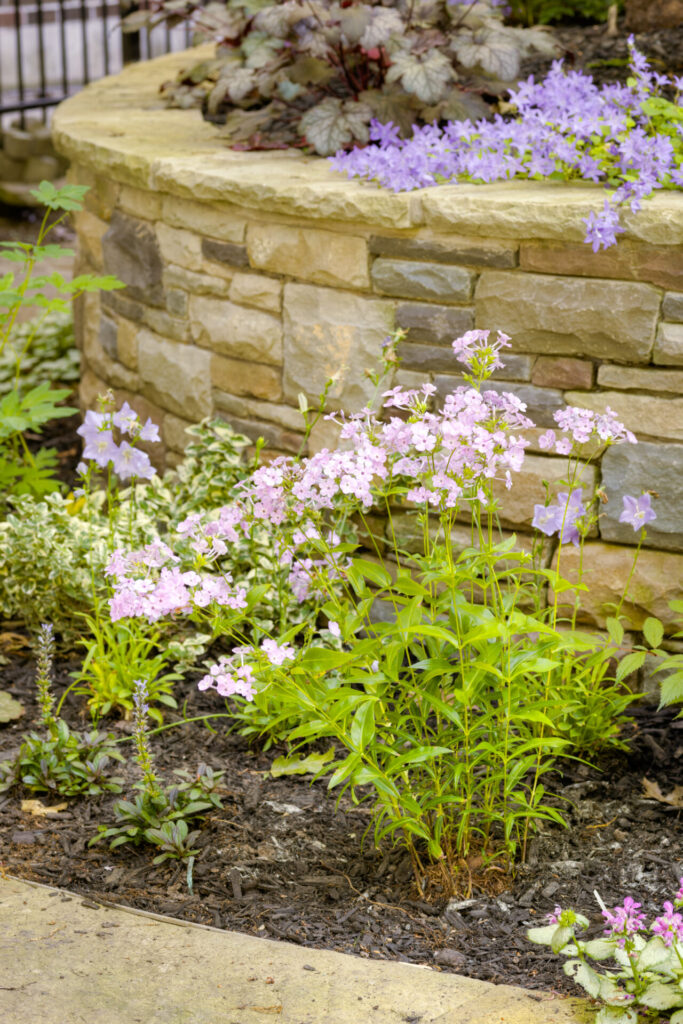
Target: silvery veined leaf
<point x="385" y="23"/>
<point x="539" y="39"/>
<point x="353" y="23"/>
<point x="493" y="52"/>
<point x="332" y="124"/>
<point x="426" y="76"/>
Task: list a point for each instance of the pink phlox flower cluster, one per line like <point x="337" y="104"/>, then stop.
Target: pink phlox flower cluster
<point x="582" y="425"/>
<point x="561" y="518"/>
<point x="228" y="679"/>
<point x="625" y="921"/>
<point x="475" y="350"/>
<point x="558" y="123"/>
<point x="163" y="589"/>
<point x="277" y="653"/>
<point x="679" y="894"/>
<point x="208" y="537"/>
<point x="669" y="926"/>
<point x="97" y="431"/>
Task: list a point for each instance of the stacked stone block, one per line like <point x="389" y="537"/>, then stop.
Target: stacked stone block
<point x="27" y="157"/>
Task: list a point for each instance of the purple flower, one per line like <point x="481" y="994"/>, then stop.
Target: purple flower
<point x="669" y="926"/>
<point x="637" y="511"/>
<point x="277" y="653"/>
<point x="625" y="921"/>
<point x="562" y="517"/>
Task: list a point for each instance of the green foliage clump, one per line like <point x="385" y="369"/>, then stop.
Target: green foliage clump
<point x="45" y="352"/>
<point x="553" y="12"/>
<point x="315" y="74"/>
<point x="57" y="759"/>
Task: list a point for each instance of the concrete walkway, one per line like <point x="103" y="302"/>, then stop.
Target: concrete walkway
<point x="67" y="960"/>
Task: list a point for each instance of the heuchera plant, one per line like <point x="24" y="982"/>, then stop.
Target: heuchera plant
<point x="437" y="672"/>
<point x="629" y="137"/>
<point x="647" y="977"/>
<point x="316" y="72"/>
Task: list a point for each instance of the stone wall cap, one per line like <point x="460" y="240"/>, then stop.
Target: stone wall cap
<point x="113" y="126"/>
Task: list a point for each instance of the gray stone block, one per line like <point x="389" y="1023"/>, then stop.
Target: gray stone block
<point x="433" y="325"/>
<point x="461" y="251"/>
<point x="413" y="280"/>
<point x="225" y="252"/>
<point x="572" y="316"/>
<point x="130" y="251"/>
<point x="672" y="307"/>
<point x="632" y="469"/>
<point x="107" y="337"/>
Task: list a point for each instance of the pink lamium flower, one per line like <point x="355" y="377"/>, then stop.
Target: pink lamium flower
<point x="625" y="921"/>
<point x="669" y="925"/>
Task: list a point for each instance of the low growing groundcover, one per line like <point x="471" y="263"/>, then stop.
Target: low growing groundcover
<point x="280" y="862"/>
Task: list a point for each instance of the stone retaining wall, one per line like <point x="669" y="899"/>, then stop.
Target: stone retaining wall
<point x="253" y="277"/>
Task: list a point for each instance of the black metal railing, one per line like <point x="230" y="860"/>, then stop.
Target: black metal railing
<point x="50" y="49"/>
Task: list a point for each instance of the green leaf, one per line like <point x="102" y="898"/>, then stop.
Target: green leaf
<point x="615" y="630"/>
<point x="653" y="631"/>
<point x="376" y="574"/>
<point x="671" y="691"/>
<point x="321" y="660"/>
<point x="543" y="936"/>
<point x="9" y="707"/>
<point x="654" y="953"/>
<point x="660" y="996"/>
<point x="631" y="663"/>
<point x="584" y="976"/>
<point x="616" y="1015"/>
<point x="68" y="197"/>
<point x="561" y="937"/>
<point x="294" y="764"/>
<point x="363" y="725"/>
<point x="599" y="949"/>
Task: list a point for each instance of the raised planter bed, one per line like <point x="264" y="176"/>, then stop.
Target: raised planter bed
<point x="253" y="277"/>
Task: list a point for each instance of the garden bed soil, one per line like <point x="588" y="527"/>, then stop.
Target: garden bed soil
<point x="590" y="49"/>
<point x="279" y="861"/>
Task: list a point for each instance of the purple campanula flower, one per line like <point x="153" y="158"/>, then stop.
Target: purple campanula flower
<point x="637" y="511"/>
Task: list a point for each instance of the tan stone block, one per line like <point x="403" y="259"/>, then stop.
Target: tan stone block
<point x="215" y="269"/>
<point x="283" y="415"/>
<point x="626" y="378"/>
<point x="321" y="257"/>
<point x="179" y="246"/>
<point x="212" y="219"/>
<point x="242" y="378"/>
<point x="231" y="404"/>
<point x="173" y="432"/>
<point x="545" y="210"/>
<point x="90" y="230"/>
<point x="516" y="506"/>
<point x="658" y="579"/>
<point x="257" y="290"/>
<point x="173" y="459"/>
<point x="669" y="345"/>
<point x="140" y="203"/>
<point x="108" y="369"/>
<point x="89" y="389"/>
<point x="570" y="315"/>
<point x="645" y="415"/>
<point x="169" y="326"/>
<point x="235" y="331"/>
<point x="562" y="373"/>
<point x="196" y="284"/>
<point x="127" y="343"/>
<point x="102" y="196"/>
<point x="410" y="379"/>
<point x="175" y="376"/>
<point x="333" y="334"/>
<point x="660" y="265"/>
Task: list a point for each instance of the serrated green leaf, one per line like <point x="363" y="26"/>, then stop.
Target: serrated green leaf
<point x="629" y="664"/>
<point x="653" y="631"/>
<point x="294" y="764"/>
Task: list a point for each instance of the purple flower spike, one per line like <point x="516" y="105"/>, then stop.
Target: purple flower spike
<point x="637" y="511"/>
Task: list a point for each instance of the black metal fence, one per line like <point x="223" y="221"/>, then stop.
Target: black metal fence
<point x="51" y="48"/>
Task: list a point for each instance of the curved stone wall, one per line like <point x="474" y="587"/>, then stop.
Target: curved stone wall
<point x="252" y="277"/>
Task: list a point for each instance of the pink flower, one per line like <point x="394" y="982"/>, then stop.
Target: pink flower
<point x="669" y="926"/>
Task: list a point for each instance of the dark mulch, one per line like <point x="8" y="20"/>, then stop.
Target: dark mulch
<point x="281" y="862"/>
<point x="588" y="48"/>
